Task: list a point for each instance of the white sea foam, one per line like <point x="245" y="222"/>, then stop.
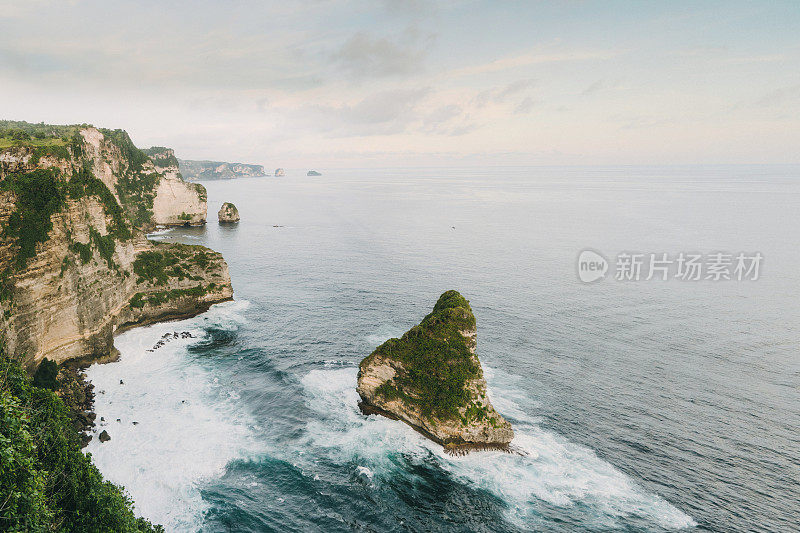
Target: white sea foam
<point x="160" y="233"/>
<point x="556" y="472"/>
<point x="189" y="424"/>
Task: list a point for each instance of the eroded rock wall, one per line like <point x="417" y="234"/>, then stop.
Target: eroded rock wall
<point x="80" y="285"/>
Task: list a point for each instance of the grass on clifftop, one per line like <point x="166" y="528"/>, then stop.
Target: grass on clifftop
<point x="46" y="482"/>
<point x="170" y="261"/>
<point x="437" y="362"/>
<point x="20" y="133"/>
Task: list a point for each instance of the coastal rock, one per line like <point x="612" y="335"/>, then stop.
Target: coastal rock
<point x="431" y="379"/>
<point x="104" y="436"/>
<point x="313" y="173"/>
<point x="89" y="271"/>
<point x="228" y="213"/>
<point x="178" y="203"/>
<point x="279" y="172"/>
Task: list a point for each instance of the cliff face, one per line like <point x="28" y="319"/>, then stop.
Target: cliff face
<point x="177" y="202"/>
<point x="74" y="264"/>
<point x="214" y="170"/>
<point x="431" y="379"/>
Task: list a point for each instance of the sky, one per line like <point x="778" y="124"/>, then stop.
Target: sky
<point x="371" y="83"/>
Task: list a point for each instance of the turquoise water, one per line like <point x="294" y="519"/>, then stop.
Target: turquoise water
<point x="644" y="406"/>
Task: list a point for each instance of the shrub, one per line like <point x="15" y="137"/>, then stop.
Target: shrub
<point x="39" y="196"/>
<point x="46" y="375"/>
<point x="152" y="266"/>
<point x="47" y="483"/>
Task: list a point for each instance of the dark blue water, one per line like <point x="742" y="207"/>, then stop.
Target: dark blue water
<point x="645" y="406"/>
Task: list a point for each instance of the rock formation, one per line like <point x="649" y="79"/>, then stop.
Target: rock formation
<point x="313" y="173"/>
<point x="216" y="170"/>
<point x="279" y="172"/>
<point x="431" y="379"/>
<point x="228" y="213"/>
<point x="74" y="264"/>
<point x="177" y="203"/>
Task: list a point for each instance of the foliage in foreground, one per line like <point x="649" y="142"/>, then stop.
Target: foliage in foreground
<point x="46" y="482"/>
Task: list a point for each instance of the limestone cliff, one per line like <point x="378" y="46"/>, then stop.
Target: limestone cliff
<point x="177" y="202"/>
<point x="214" y="170"/>
<point x="74" y="263"/>
<point x="431" y="379"/>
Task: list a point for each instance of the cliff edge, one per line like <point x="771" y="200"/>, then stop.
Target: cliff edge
<point x="75" y="265"/>
<point x="431" y="379"/>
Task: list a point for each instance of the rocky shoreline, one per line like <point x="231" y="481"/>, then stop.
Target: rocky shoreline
<point x="77" y="393"/>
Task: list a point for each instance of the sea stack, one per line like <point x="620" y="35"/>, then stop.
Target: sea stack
<point x="431" y="379"/>
<point x="228" y="213"/>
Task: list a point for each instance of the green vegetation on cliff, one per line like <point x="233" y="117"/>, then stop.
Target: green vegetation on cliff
<point x="46" y="482"/>
<point x="20" y="133"/>
<point x="83" y="183"/>
<point x="157" y="298"/>
<point x="39" y="196"/>
<point x="436" y="360"/>
<point x="136" y="186"/>
<point x="162" y="156"/>
<point x="155" y="266"/>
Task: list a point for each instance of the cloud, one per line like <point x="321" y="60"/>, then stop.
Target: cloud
<point x="535" y="57"/>
<point x="779" y="97"/>
<point x="525" y="106"/>
<point x="594" y="88"/>
<point x="382" y="113"/>
<point x="450" y="119"/>
<point x="501" y="95"/>
<point x="366" y="56"/>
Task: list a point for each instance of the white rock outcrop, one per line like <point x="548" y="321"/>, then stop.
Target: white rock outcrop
<point x="178" y="203"/>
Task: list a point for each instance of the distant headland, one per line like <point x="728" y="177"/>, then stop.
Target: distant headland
<point x="218" y="170"/>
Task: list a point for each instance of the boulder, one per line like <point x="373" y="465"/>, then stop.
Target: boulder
<point x="104" y="436"/>
<point x="228" y="213"/>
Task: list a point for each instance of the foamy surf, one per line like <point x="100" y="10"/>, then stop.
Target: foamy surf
<point x="554" y="472"/>
<point x="173" y="423"/>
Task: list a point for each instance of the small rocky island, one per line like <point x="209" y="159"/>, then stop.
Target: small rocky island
<point x="431" y="379"/>
<point x="228" y="213"/>
<point x="313" y="173"/>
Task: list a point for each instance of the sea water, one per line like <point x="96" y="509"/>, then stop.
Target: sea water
<point x="643" y="405"/>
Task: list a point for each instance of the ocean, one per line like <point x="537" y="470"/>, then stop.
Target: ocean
<point x="643" y="405"/>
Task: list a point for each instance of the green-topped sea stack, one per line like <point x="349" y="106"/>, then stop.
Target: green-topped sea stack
<point x="228" y="213"/>
<point x="431" y="379"/>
